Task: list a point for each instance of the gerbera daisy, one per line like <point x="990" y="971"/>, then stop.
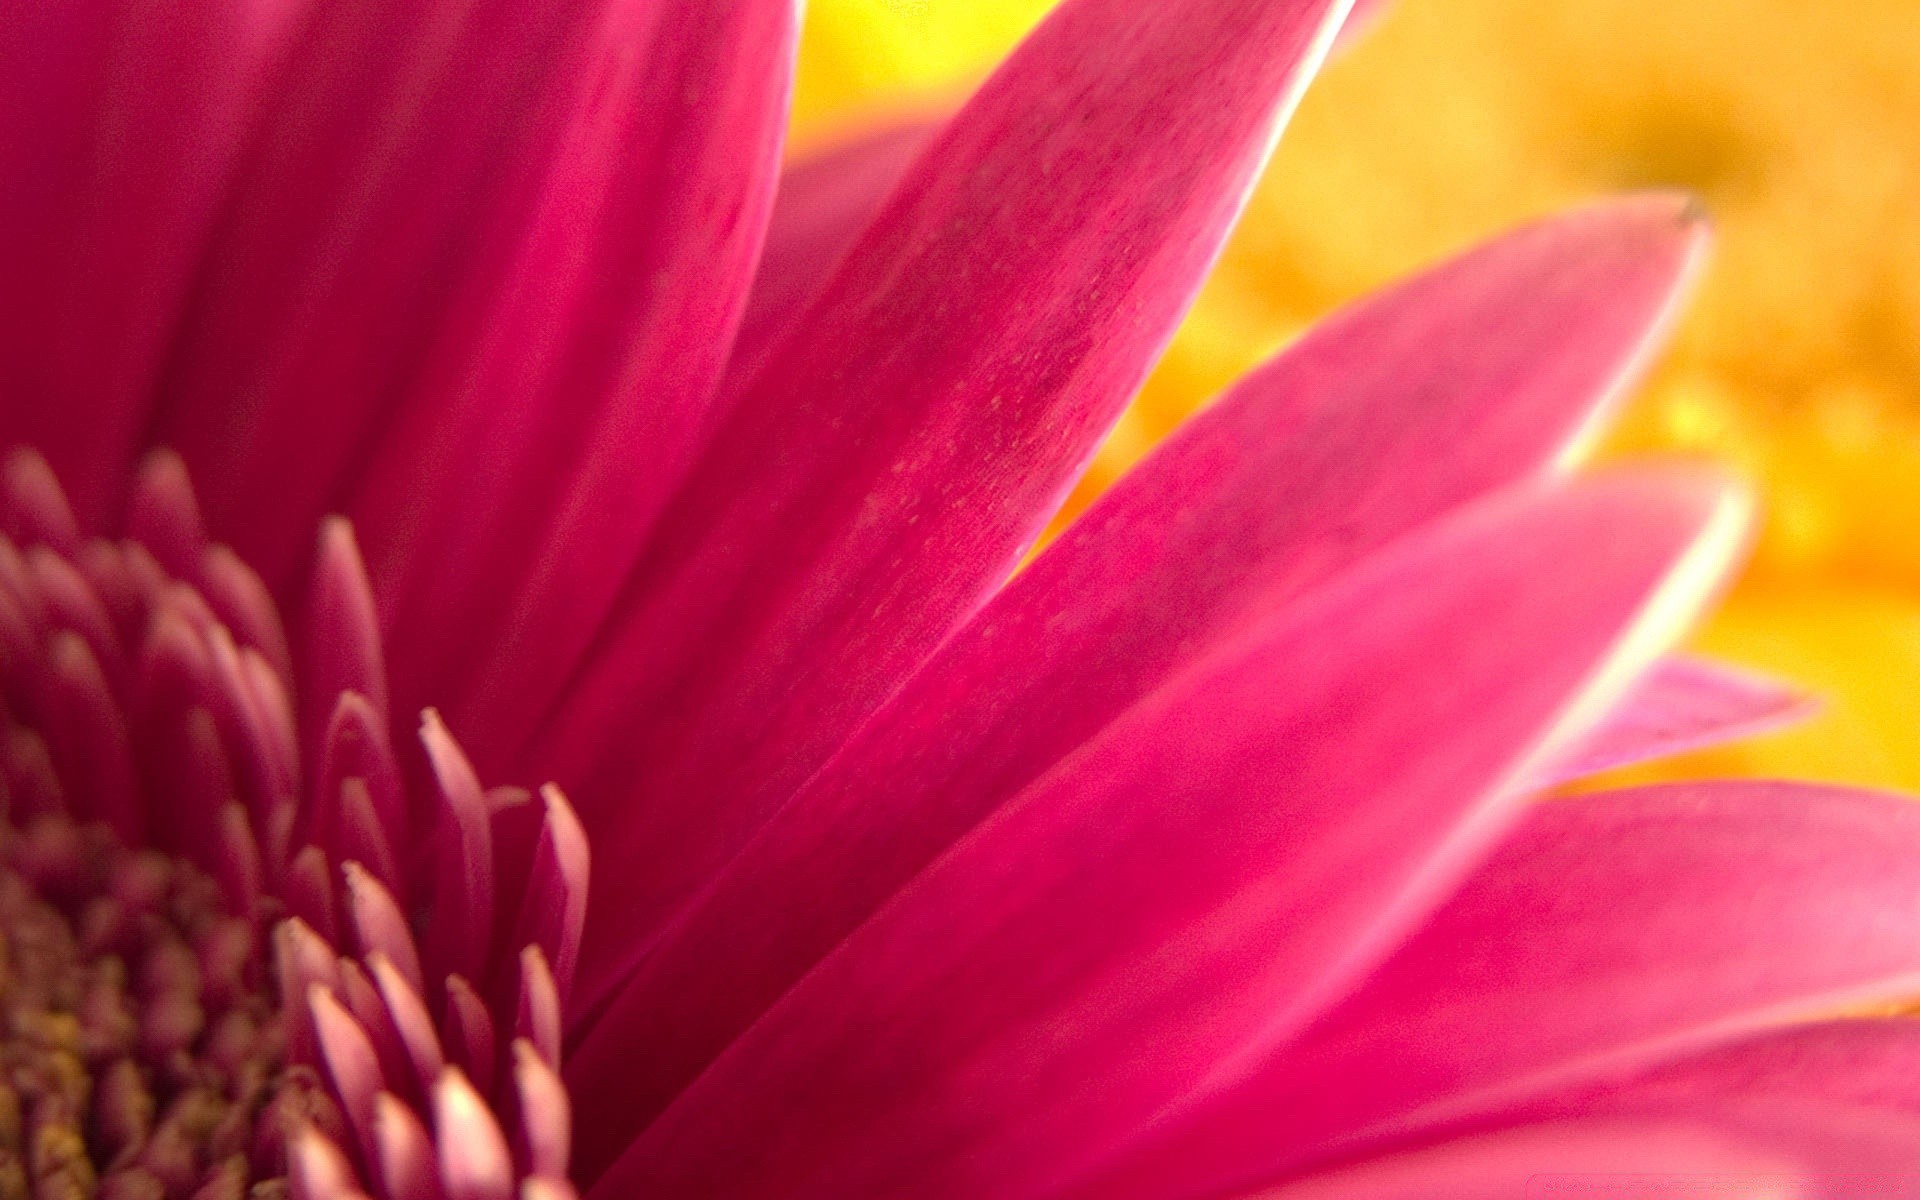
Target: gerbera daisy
<point x="1195" y="859"/>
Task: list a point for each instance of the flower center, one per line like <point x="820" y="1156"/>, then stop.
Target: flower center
<point x="240" y="957"/>
<point x="142" y="1054"/>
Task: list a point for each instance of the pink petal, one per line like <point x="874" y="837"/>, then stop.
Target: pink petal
<point x="1684" y="704"/>
<point x="1594" y="1160"/>
<point x="459" y="938"/>
<point x="121" y="124"/>
<point x="352" y="1065"/>
<point x="553" y="913"/>
<point x="33" y="506"/>
<point x="364" y="1003"/>
<point x="545" y="1112"/>
<point x="379" y="925"/>
<point x="468" y="1033"/>
<point x="1859" y="1061"/>
<point x="309" y="894"/>
<point x="268" y="715"/>
<point x="474" y="1163"/>
<point x="317" y="1170"/>
<point x="238" y="863"/>
<point x="822" y="206"/>
<point x="405" y="1153"/>
<point x="164" y="516"/>
<point x="361" y="837"/>
<point x="412" y="1023"/>
<point x="538" y="1018"/>
<point x="1611" y="932"/>
<point x="86" y="732"/>
<point x="343" y="648"/>
<point x="1842" y="1097"/>
<point x="301" y="959"/>
<point x="355" y="746"/>
<point x="33" y="787"/>
<point x="583" y="390"/>
<point x="1189" y="889"/>
<point x="1361" y="19"/>
<point x="400" y="137"/>
<point x="245" y="606"/>
<point x="908" y="439"/>
<point x="72" y="605"/>
<point x="1316" y="460"/>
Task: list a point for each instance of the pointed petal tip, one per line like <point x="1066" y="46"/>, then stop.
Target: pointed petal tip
<point x="1679" y="216"/>
<point x="1702" y="516"/>
<point x="1672" y="218"/>
<point x="1657" y="208"/>
<point x="1686" y="704"/>
<point x="1694" y="213"/>
<point x="1662" y="224"/>
<point x="1675" y="206"/>
<point x="28" y="461"/>
<point x="1724" y="504"/>
<point x="474" y="1159"/>
<point x="162" y="460"/>
<point x="317" y="1168"/>
<point x="337" y="539"/>
<point x="1720" y="501"/>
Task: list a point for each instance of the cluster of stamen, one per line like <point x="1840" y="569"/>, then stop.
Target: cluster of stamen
<point x="212" y="974"/>
<point x="142" y="1054"/>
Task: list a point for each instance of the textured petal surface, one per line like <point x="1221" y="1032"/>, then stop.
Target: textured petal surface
<point x="822" y="206"/>
<point x="431" y="201"/>
<point x="392" y="143"/>
<point x="542" y="444"/>
<point x="1361" y="20"/>
<point x="1311" y="463"/>
<point x="1868" y="1062"/>
<point x="1201" y="880"/>
<point x="1685" y="704"/>
<point x="121" y="123"/>
<point x="1596" y="1160"/>
<point x="1842" y="1097"/>
<point x="1611" y="931"/>
<point x="906" y="442"/>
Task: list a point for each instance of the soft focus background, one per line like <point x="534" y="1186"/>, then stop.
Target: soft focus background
<point x="1798" y="124"/>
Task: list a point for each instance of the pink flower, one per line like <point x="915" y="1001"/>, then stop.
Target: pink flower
<point x="1195" y="860"/>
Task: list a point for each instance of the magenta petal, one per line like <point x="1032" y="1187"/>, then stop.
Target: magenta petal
<point x="545" y="1112"/>
<point x="819" y="211"/>
<point x="350" y="1060"/>
<point x="1684" y="704"/>
<point x="121" y="122"/>
<point x="1364" y="15"/>
<point x="343" y="648"/>
<point x="317" y="1170"/>
<point x="1194" y="885"/>
<point x="908" y="439"/>
<point x="1312" y="462"/>
<point x="542" y="442"/>
<point x="399" y="134"/>
<point x="33" y="505"/>
<point x="1871" y="1063"/>
<point x="1842" y="1096"/>
<point x="474" y="1161"/>
<point x="449" y="186"/>
<point x="405" y="1152"/>
<point x="1593" y="1159"/>
<point x="553" y="913"/>
<point x="1610" y="932"/>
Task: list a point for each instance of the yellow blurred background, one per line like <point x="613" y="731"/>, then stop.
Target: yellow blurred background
<point x="1798" y="124"/>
